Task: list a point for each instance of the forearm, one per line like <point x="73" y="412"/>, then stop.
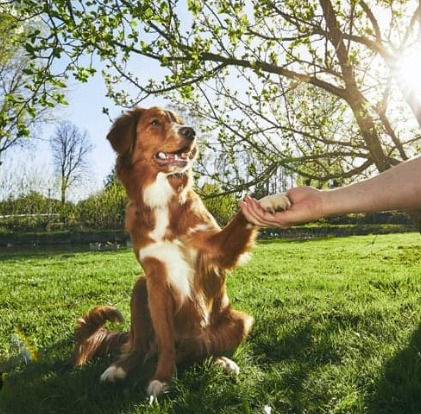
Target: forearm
<point x="396" y="189"/>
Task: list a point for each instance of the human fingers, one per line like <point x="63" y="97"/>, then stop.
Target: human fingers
<point x="249" y="211"/>
<point x="252" y="211"/>
<point x="255" y="214"/>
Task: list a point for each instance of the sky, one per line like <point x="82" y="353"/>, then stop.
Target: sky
<point x="86" y="101"/>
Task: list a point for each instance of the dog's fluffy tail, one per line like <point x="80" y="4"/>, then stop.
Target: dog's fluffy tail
<point x="92" y="338"/>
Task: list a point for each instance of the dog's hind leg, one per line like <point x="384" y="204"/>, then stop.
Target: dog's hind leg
<point x="222" y="337"/>
<point x="230" y="329"/>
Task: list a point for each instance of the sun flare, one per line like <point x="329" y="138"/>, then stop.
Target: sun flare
<point x="409" y="69"/>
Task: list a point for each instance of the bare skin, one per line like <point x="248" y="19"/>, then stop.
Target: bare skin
<point x="398" y="188"/>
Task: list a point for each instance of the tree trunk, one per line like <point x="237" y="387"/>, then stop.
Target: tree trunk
<point x="63" y="191"/>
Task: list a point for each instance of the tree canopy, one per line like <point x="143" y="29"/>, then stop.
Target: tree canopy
<point x="24" y="101"/>
<point x="316" y="88"/>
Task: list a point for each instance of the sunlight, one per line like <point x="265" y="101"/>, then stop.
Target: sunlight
<point x="409" y="69"/>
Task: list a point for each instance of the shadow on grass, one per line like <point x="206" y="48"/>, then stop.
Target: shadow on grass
<point x="52" y="386"/>
<point x="302" y="370"/>
<point x="290" y="361"/>
<point x="399" y="389"/>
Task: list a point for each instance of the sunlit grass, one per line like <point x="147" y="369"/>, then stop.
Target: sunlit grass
<point x="337" y="331"/>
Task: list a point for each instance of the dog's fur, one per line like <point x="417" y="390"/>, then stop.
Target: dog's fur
<point x="179" y="309"/>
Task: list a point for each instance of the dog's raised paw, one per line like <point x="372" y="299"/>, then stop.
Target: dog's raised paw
<point x="113" y="373"/>
<point x="275" y="202"/>
<point x="227" y="365"/>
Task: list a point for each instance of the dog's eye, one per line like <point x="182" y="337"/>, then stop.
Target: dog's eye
<point x="155" y="122"/>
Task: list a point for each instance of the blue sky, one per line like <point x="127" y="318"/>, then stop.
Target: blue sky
<point x="85" y="111"/>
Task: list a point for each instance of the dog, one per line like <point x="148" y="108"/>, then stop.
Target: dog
<point x="180" y="311"/>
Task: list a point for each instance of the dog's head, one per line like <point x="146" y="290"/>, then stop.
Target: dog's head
<point x="156" y="138"/>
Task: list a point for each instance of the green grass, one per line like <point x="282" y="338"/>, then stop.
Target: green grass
<point x="337" y="331"/>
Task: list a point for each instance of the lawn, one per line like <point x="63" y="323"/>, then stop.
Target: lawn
<point x="337" y="331"/>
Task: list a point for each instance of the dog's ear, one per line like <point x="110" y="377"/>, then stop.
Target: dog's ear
<point x="175" y="118"/>
<point x="122" y="135"/>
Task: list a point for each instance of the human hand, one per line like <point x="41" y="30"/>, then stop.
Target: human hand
<point x="306" y="205"/>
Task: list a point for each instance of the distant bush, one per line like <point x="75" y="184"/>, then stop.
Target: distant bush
<point x="104" y="210"/>
<point x="32" y="211"/>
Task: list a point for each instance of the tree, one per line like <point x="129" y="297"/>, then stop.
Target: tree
<point x="22" y="106"/>
<point x="278" y="51"/>
<point x="70" y="148"/>
<point x="314" y="87"/>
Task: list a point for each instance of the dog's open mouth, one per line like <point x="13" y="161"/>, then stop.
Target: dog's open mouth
<point x="178" y="159"/>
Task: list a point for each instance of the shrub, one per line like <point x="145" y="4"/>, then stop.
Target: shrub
<point x="105" y="209"/>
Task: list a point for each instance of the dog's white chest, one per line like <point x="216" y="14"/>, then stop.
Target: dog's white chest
<point x="177" y="266"/>
<point x="161" y="224"/>
<point x="176" y="258"/>
<point x="159" y="193"/>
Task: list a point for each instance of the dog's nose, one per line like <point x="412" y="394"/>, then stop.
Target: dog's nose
<point x="188" y="132"/>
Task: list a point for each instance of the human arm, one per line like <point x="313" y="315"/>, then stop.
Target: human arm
<point x="398" y="188"/>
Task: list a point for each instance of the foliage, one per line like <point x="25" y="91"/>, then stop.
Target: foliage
<point x="337" y="330"/>
<point x="222" y="207"/>
<point x="22" y="100"/>
<point x="310" y="87"/>
<point x="31" y="211"/>
<point x="105" y="210"/>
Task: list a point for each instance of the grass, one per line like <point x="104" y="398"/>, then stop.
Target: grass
<point x="337" y="331"/>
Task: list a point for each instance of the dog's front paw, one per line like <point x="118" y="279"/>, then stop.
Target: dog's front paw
<point x="113" y="373"/>
<point x="275" y="202"/>
<point x="227" y="365"/>
<point x="156" y="388"/>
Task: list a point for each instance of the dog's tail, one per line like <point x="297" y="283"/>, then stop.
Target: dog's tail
<point x="92" y="338"/>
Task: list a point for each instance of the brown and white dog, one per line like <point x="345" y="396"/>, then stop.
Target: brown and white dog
<point x="179" y="309"/>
